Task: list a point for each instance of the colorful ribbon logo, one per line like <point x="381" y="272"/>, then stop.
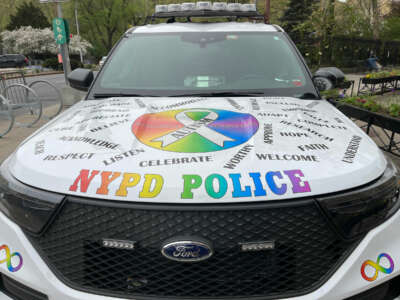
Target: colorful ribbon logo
<point x="378" y="268"/>
<point x="9" y="257"/>
<point x="194" y="130"/>
<point x="192" y="126"/>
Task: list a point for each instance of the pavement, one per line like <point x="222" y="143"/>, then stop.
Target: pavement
<point x="47" y="94"/>
<point x="10" y="142"/>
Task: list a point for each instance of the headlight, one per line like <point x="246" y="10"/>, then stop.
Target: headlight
<point x="356" y="212"/>
<point x="30" y="208"/>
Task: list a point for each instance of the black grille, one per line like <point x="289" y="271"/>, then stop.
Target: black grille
<point x="306" y="250"/>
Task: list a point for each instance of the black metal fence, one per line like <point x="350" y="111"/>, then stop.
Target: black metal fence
<point x="384" y="130"/>
<point x="347" y="52"/>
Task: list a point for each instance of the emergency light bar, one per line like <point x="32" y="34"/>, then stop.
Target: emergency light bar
<point x="188" y="6"/>
<point x="234" y="7"/>
<point x="220" y="6"/>
<point x="203" y="5"/>
<point x="174" y="7"/>
<point x="206" y="9"/>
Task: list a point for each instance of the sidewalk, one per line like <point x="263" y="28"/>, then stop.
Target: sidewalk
<point x="356" y="78"/>
<point x="10" y="142"/>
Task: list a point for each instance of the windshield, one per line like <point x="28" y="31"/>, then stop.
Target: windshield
<point x="197" y="63"/>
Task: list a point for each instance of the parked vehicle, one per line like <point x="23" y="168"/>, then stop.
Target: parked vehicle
<point x="13" y="61"/>
<point x="203" y="164"/>
<point x="102" y="61"/>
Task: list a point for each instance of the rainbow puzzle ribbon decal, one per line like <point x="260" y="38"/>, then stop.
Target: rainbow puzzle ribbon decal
<point x="194" y="130"/>
<point x="9" y="257"/>
<point x="192" y="126"/>
<point x="378" y="268"/>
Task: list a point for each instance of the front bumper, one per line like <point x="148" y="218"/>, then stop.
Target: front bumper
<point x="347" y="281"/>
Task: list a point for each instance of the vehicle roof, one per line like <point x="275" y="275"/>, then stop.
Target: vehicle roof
<point x="206" y="27"/>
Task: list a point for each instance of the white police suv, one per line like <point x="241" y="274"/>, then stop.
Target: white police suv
<point x="203" y="164"/>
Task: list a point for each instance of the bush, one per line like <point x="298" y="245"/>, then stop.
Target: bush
<point x="383" y="74"/>
<point x="90" y="67"/>
<point x="370" y="103"/>
<point x="75" y="64"/>
<point x="52" y="63"/>
<point x="394" y="110"/>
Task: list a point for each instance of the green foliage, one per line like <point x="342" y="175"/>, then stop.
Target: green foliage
<point x="104" y="22"/>
<point x="394" y="110"/>
<point x="52" y="63"/>
<point x="373" y="104"/>
<point x="90" y="67"/>
<point x="28" y="15"/>
<point x="383" y="74"/>
<point x="367" y="102"/>
<point x="298" y="12"/>
<point x="330" y="19"/>
<point x="75" y="63"/>
<point x="331" y="94"/>
<point x="391" y="29"/>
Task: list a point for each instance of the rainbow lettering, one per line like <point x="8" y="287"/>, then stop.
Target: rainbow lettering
<point x="8" y="258"/>
<point x="152" y="185"/>
<point x="216" y="185"/>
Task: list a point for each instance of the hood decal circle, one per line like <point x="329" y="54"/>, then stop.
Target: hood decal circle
<point x="197" y="130"/>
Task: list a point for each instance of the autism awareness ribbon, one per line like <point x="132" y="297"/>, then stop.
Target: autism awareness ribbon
<point x="9" y="257"/>
<point x="194" y="126"/>
<point x="378" y="268"/>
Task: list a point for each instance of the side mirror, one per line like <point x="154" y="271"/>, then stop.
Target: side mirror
<point x="81" y="79"/>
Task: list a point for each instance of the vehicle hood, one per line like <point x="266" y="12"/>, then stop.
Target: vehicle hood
<point x="198" y="150"/>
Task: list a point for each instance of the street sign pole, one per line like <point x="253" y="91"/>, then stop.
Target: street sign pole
<point x="77" y="29"/>
<point x="64" y="50"/>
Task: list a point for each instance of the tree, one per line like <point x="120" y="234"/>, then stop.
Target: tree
<point x="371" y="9"/>
<point x="28" y="15"/>
<point x="31" y="41"/>
<point x="391" y="29"/>
<point x="104" y="21"/>
<point x="298" y="12"/>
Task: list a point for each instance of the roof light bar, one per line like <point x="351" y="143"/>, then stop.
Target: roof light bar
<point x="188" y="6"/>
<point x="203" y="5"/>
<point x="234" y="7"/>
<point x="206" y="9"/>
<point x="161" y="9"/>
<point x="248" y="7"/>
<point x="219" y="6"/>
<point x="174" y="7"/>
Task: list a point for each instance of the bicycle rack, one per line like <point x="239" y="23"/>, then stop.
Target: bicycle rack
<point x="4" y="103"/>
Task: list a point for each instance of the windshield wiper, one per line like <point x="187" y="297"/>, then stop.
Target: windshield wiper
<point x="309" y="96"/>
<point x="110" y="95"/>
<point x="223" y="94"/>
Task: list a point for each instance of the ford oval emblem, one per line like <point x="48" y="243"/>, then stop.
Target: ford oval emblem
<point x="187" y="251"/>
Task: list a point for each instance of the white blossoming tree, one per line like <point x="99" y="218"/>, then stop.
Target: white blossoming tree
<point x="31" y="41"/>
